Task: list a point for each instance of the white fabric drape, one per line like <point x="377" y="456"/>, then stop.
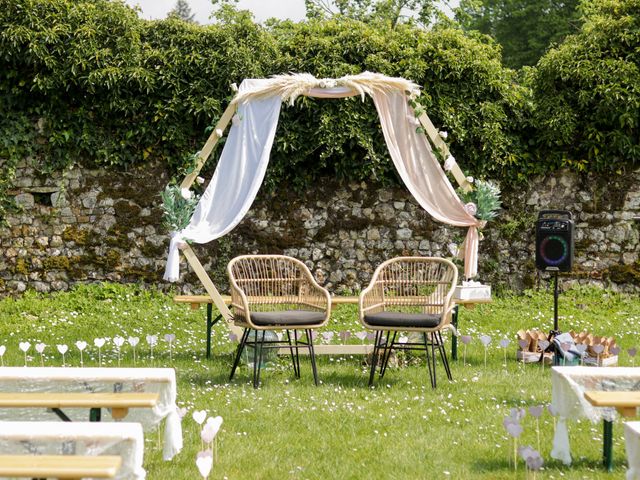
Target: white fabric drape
<point x="632" y="445"/>
<point x="123" y="439"/>
<point x="244" y="159"/>
<point x="71" y="379"/>
<point x="568" y="385"/>
<point x="238" y="175"/>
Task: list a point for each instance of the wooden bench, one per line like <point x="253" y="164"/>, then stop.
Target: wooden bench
<point x="626" y="403"/>
<point x="119" y="403"/>
<point x="194" y="301"/>
<point x="59" y="466"/>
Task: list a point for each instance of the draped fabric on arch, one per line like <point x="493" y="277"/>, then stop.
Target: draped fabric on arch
<point x="245" y="157"/>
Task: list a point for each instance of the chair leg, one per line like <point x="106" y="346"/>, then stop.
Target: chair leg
<point x="443" y="355"/>
<point x="236" y="362"/>
<point x="312" y="354"/>
<point x="433" y="358"/>
<point x="297" y="348"/>
<point x="426" y="350"/>
<point x="387" y="354"/>
<point x="384" y="351"/>
<point x="374" y="355"/>
<point x="257" y="360"/>
<point x="296" y="373"/>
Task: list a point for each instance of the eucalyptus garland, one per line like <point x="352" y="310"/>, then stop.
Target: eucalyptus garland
<point x="178" y="206"/>
<point x="483" y="201"/>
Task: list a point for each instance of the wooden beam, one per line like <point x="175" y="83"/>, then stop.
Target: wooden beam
<point x="59" y="466"/>
<point x="208" y="146"/>
<point x="211" y="289"/>
<point x="440" y="144"/>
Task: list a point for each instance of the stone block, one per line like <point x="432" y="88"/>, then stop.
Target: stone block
<point x="25" y="200"/>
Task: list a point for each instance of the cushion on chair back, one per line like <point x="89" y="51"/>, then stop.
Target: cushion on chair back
<point x="403" y="319"/>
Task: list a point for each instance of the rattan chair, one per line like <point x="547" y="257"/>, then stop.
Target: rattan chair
<point x="409" y="294"/>
<point x="272" y="292"/>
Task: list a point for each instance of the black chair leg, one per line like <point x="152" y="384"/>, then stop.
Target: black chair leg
<point x="297" y="348"/>
<point x="312" y="354"/>
<point x="443" y="355"/>
<point x="426" y="350"/>
<point x="387" y="353"/>
<point x="257" y="360"/>
<point x="374" y="355"/>
<point x="296" y="373"/>
<point x="433" y="358"/>
<point x="236" y="362"/>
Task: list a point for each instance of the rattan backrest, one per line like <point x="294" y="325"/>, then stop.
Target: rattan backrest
<point x="424" y="282"/>
<point x="273" y="282"/>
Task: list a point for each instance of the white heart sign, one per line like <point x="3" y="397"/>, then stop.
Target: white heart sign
<point x="2" y="350"/>
<point x="118" y="341"/>
<point x="99" y="342"/>
<point x="63" y="349"/>
<point x="169" y="337"/>
<point x="133" y="341"/>
<point x="152" y="339"/>
<point x="40" y="347"/>
<point x="81" y="344"/>
<point x="24" y="346"/>
<point x="215" y="423"/>
<point x="208" y="433"/>
<point x="204" y="462"/>
<point x="199" y="416"/>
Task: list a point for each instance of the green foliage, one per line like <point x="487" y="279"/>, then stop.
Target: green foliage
<point x="177" y="208"/>
<point x="587" y="92"/>
<point x="387" y="13"/>
<point x="524" y="28"/>
<point x="486" y="198"/>
<point x="87" y="81"/>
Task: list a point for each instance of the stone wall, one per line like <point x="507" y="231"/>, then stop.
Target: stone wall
<point x="87" y="226"/>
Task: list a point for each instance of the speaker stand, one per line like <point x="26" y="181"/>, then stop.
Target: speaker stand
<point x="556" y="330"/>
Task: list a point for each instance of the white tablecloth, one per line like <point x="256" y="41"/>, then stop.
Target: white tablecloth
<point x="632" y="444"/>
<point x="567" y="397"/>
<point x="78" y="438"/>
<point x="57" y="379"/>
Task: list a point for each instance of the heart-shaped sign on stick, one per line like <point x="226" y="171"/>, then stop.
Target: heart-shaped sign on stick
<point x="207" y="434"/>
<point x="99" y="342"/>
<point x="199" y="416"/>
<point x="465" y="339"/>
<point x="615" y="350"/>
<point x="169" y="338"/>
<point x="152" y="340"/>
<point x="81" y="345"/>
<point x="485" y="340"/>
<point x="3" y="349"/>
<point x="361" y="335"/>
<point x="63" y="349"/>
<point x="133" y="341"/>
<point x="40" y="349"/>
<point x="204" y="462"/>
<point x="523" y="344"/>
<point x="327" y="336"/>
<point x="536" y="410"/>
<point x="24" y="346"/>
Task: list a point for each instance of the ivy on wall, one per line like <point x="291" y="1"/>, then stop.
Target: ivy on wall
<point x="88" y="81"/>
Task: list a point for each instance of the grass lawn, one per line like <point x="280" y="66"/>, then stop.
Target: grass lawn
<point x="342" y="429"/>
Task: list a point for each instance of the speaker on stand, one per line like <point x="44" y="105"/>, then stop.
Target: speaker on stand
<point x="554" y="253"/>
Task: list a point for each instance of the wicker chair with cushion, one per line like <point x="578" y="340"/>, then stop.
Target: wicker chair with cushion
<point x="273" y="292"/>
<point x="409" y="294"/>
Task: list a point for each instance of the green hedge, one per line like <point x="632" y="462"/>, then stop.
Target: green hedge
<point x="87" y="81"/>
<point x="587" y="92"/>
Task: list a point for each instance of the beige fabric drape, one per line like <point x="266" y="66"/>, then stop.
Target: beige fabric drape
<point x="421" y="172"/>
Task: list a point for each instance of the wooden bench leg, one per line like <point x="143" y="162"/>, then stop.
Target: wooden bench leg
<point x="94" y="415"/>
<point x="607" y="446"/>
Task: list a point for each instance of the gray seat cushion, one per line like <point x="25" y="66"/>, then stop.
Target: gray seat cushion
<point x="402" y="319"/>
<point x="287" y="318"/>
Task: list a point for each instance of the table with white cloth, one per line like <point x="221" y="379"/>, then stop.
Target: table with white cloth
<point x="632" y="444"/>
<point x="93" y="380"/>
<point x="122" y="439"/>
<point x="567" y="398"/>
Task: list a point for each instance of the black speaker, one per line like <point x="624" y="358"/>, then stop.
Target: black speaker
<point x="554" y="240"/>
